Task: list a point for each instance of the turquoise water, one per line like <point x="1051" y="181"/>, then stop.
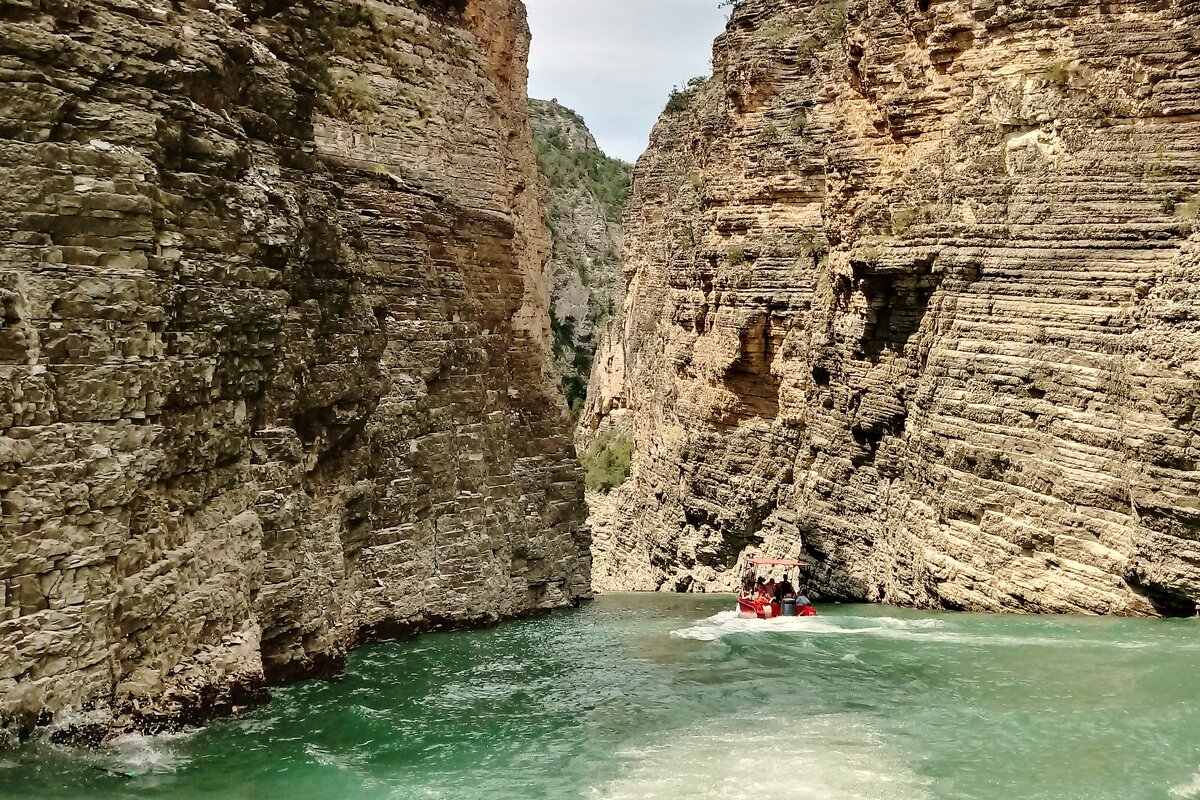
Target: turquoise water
<point x="673" y="697"/>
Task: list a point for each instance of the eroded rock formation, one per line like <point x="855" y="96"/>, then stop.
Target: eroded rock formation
<point x="913" y="292"/>
<point x="273" y="346"/>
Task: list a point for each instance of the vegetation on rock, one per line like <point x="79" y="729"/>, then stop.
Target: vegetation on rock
<point x="588" y="190"/>
<point x="606" y="179"/>
<point x="681" y="96"/>
<point x="444" y="6"/>
<point x="607" y="462"/>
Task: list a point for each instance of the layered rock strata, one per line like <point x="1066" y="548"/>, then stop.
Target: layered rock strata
<point x="586" y="196"/>
<point x="913" y="294"/>
<point x="273" y="347"/>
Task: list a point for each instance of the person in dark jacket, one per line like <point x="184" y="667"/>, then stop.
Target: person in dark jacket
<point x="784" y="589"/>
<point x="769" y="589"/>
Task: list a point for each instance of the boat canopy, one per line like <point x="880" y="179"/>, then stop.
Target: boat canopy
<point x="774" y="562"/>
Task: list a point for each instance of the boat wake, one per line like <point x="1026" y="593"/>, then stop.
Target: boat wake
<point x="1188" y="791"/>
<point x="835" y="757"/>
<point x="729" y="623"/>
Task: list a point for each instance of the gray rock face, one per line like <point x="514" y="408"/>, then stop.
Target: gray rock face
<point x="912" y="294"/>
<point x="587" y="192"/>
<point x="272" y="347"/>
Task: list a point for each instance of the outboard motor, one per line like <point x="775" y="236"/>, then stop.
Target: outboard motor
<point x="789" y="607"/>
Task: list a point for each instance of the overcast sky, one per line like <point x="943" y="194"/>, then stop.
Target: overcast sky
<point x="615" y="61"/>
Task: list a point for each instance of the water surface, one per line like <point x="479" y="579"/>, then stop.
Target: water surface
<point x="658" y="696"/>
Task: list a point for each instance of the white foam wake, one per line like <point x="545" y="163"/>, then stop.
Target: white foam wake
<point x="1189" y="791"/>
<point x="834" y="757"/>
<point x="148" y="754"/>
<point x="730" y="622"/>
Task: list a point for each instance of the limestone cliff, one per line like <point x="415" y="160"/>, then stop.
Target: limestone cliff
<point x="273" y="346"/>
<point x="913" y="292"/>
<point x="587" y="193"/>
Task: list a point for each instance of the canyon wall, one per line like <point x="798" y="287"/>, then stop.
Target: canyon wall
<point x="913" y="294"/>
<point x="273" y="350"/>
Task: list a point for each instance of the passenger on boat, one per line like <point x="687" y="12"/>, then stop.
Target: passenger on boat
<point x="748" y="585"/>
<point x="784" y="589"/>
<point x="769" y="588"/>
<point x="804" y="607"/>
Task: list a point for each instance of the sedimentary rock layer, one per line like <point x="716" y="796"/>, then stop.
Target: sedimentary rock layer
<point x="913" y="293"/>
<point x="273" y="345"/>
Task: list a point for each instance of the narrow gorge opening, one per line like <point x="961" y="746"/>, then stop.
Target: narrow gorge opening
<point x="907" y="265"/>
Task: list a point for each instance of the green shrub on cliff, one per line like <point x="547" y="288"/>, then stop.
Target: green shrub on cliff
<point x="905" y="219"/>
<point x="1057" y="73"/>
<point x="607" y="462"/>
<point x="834" y="15"/>
<point x="607" y="179"/>
<point x="681" y="96"/>
<point x="577" y="353"/>
<point x="351" y="98"/>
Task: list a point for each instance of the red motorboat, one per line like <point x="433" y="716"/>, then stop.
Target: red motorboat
<point x="752" y="605"/>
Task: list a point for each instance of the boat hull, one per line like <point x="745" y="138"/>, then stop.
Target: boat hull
<point x="753" y="609"/>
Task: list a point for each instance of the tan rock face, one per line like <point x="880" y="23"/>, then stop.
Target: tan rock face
<point x="912" y="294"/>
<point x="272" y="347"/>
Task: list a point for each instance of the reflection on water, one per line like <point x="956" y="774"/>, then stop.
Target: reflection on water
<point x="675" y="696"/>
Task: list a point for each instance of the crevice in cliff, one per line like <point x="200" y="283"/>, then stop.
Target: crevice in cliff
<point x="749" y="377"/>
<point x="1167" y="601"/>
<point x="895" y="304"/>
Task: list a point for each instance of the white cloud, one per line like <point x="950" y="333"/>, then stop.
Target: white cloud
<point x="615" y="61"/>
